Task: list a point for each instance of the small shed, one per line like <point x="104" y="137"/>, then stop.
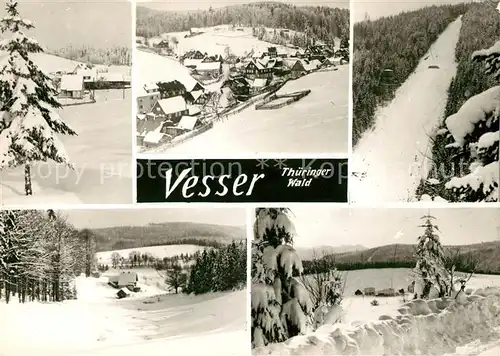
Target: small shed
<point x="155" y="138"/>
<point x="72" y="86"/>
<point x="123" y="293"/>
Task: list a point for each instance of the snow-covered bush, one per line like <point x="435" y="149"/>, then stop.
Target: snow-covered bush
<point x="281" y="306"/>
<point x="29" y="122"/>
<point x="374" y="302"/>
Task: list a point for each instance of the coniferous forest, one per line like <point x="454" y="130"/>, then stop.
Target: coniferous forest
<point x="218" y="270"/>
<point x="320" y="22"/>
<point x="106" y="56"/>
<point x="386" y="51"/>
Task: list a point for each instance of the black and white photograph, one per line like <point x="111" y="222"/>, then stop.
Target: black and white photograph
<point x="375" y="281"/>
<point x="426" y="102"/>
<point x="242" y="77"/>
<point x="65" y="102"/>
<point x="123" y="282"/>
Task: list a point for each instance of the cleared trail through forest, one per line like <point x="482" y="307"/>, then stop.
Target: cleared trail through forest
<point x="389" y="161"/>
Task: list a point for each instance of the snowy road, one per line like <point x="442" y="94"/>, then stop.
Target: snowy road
<point x="389" y="161"/>
<point x="316" y="123"/>
<point x="101" y="154"/>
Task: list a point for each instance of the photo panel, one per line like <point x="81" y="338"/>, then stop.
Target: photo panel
<point x="330" y="280"/>
<point x="66" y="115"/>
<point x="242" y="78"/>
<point x="124" y="281"/>
<point x="426" y="101"/>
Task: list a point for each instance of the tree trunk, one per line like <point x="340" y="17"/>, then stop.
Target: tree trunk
<point x="27" y="180"/>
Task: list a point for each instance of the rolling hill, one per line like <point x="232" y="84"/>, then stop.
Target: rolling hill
<point x="124" y="237"/>
<point x="308" y="253"/>
<point x="487" y="252"/>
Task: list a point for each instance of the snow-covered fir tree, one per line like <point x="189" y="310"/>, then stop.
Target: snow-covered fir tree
<point x="281" y="306"/>
<point x="29" y="121"/>
<point x="475" y="131"/>
<point x="429" y="255"/>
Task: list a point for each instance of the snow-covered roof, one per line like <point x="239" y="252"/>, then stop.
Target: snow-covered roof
<point x="208" y="66"/>
<point x="187" y="122"/>
<point x="259" y="83"/>
<point x="153" y="137"/>
<point x="150" y="87"/>
<point x="196" y="94"/>
<point x="111" y="77"/>
<point x="71" y="82"/>
<point x="172" y="105"/>
<point x="194" y="110"/>
<point x="152" y="68"/>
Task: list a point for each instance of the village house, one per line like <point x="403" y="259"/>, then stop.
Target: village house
<point x="238" y="85"/>
<point x="71" y="86"/>
<point x="296" y="68"/>
<point x="171" y="89"/>
<point x="147" y="97"/>
<point x="258" y="69"/>
<point x="170" y="109"/>
<point x="189" y="123"/>
<point x="123" y="279"/>
<point x="209" y="69"/>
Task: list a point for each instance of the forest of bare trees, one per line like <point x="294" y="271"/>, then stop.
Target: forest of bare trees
<point x="40" y="254"/>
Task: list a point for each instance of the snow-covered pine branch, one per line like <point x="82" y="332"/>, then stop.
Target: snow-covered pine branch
<point x="29" y="121"/>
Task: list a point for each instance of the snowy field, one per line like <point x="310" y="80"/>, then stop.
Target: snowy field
<point x="101" y="155"/>
<point x="316" y="123"/>
<point x="157" y="251"/>
<point x="359" y="309"/>
<point x="391" y="159"/>
<point x="98" y="324"/>
<point x="214" y="41"/>
<point x="466" y="325"/>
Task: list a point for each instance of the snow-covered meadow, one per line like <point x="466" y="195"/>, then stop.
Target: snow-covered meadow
<point x="146" y="322"/>
<point x="160" y="252"/>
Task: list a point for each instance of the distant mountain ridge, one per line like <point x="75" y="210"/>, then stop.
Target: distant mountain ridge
<point x="487" y="252"/>
<point x="122" y="237"/>
<point x="308" y="253"/>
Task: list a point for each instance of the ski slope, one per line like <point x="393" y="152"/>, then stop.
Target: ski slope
<point x="97" y="324"/>
<point x="390" y="160"/>
<point x="316" y="123"/>
<point x="100" y="154"/>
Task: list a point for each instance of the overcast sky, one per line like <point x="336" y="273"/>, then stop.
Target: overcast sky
<point x="179" y="5"/>
<point x="334" y="226"/>
<point x="60" y="23"/>
<point x="129" y="217"/>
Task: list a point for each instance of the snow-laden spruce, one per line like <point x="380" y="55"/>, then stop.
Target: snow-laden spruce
<point x="29" y="121"/>
<point x="475" y="132"/>
<point x="281" y="306"/>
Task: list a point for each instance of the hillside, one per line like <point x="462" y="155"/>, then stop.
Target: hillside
<point x="285" y="130"/>
<point x="125" y="237"/>
<point x="487" y="252"/>
<point x="321" y="22"/>
<point x="307" y="253"/>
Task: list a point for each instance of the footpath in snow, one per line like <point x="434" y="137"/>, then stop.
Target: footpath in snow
<point x="389" y="161"/>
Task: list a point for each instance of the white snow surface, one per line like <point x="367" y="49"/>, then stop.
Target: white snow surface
<point x="389" y="161"/>
<point x="316" y="123"/>
<point x="144" y="323"/>
<point x="435" y="326"/>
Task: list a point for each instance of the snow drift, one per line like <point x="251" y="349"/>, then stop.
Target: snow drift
<point x="434" y="326"/>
